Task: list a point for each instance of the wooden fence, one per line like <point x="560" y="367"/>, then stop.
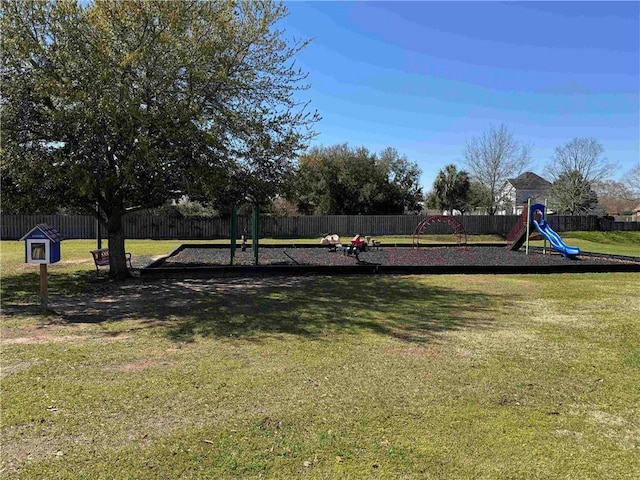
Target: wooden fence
<point x="156" y="227"/>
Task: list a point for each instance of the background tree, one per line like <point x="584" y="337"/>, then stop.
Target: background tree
<point x="341" y="180"/>
<point x="574" y="168"/>
<point x="451" y="189"/>
<point x="403" y="178"/>
<point x="632" y="182"/>
<point x="430" y="201"/>
<point x="615" y="197"/>
<point x="479" y="199"/>
<point x="127" y="103"/>
<point x="572" y="194"/>
<point x="493" y="158"/>
<point x="582" y="155"/>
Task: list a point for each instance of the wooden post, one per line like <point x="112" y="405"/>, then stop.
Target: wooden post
<point x="43" y="286"/>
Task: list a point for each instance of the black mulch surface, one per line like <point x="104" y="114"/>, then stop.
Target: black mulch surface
<point x="433" y="256"/>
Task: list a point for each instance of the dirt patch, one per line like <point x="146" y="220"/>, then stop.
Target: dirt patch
<point x="621" y="430"/>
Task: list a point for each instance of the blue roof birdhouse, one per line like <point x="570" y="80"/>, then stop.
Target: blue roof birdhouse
<point x="42" y="244"/>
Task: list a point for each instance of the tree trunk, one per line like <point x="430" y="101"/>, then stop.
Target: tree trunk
<point x="117" y="260"/>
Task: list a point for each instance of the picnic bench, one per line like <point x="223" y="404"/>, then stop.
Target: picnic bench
<point x="101" y="258"/>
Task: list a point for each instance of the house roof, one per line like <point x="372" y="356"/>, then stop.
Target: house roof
<point x="48" y="231"/>
<point x="529" y="181"/>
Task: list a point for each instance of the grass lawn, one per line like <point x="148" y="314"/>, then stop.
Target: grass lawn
<point x="416" y="377"/>
<point x="612" y="243"/>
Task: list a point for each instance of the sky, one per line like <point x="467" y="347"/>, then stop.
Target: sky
<point x="426" y="77"/>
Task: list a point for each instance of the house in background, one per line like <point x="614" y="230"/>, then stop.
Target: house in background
<point x="516" y="191"/>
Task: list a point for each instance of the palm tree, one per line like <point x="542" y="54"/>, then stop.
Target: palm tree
<point x="451" y="188"/>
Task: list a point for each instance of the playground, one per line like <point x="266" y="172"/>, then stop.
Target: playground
<point x="365" y="255"/>
<point x="198" y="256"/>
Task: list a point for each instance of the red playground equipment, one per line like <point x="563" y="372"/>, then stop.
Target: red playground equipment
<point x="458" y="229"/>
<point x="359" y="243"/>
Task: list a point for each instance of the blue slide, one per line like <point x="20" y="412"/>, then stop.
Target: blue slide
<point x="555" y="240"/>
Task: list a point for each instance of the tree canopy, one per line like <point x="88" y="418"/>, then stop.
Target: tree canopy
<point x="572" y="193"/>
<point x="575" y="168"/>
<point x="479" y="199"/>
<point x="451" y="189"/>
<point x="123" y="104"/>
<point x="582" y="155"/>
<point x="341" y="180"/>
<point x="493" y="158"/>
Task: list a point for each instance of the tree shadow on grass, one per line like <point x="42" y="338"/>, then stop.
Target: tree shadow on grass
<point x="256" y="308"/>
<point x="25" y="288"/>
<point x="80" y="292"/>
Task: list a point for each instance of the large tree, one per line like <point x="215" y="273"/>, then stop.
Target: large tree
<point x="124" y="103"/>
<point x="493" y="158"/>
<point x="451" y="189"/>
<point x="582" y="155"/>
<point x="341" y="180"/>
<point x="402" y="180"/>
<point x="571" y="193"/>
<point x="574" y="169"/>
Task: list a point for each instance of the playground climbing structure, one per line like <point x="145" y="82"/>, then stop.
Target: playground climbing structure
<point x="458" y="229"/>
<point x="533" y="220"/>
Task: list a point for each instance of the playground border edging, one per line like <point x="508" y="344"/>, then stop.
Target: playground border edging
<point x="368" y="269"/>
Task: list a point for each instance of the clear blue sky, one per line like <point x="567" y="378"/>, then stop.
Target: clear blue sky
<point x="424" y="77"/>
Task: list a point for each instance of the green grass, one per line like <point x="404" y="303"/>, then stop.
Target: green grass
<point x="20" y="281"/>
<point x="612" y="243"/>
<point x="429" y="377"/>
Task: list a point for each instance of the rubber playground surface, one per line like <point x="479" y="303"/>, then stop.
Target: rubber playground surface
<point x="211" y="260"/>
